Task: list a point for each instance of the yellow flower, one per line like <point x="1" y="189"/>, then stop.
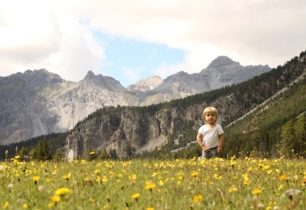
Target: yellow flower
<point x="149" y="208"/>
<point x="246" y="180"/>
<point x="135" y="196"/>
<point x="304" y="180"/>
<point x="283" y="178"/>
<point x="97" y="171"/>
<point x="25" y="206"/>
<point x="194" y="173"/>
<point x="35" y="179"/>
<point x="62" y="191"/>
<point x="232" y="189"/>
<point x="257" y="191"/>
<point x="217" y="177"/>
<point x="104" y="179"/>
<point x="67" y="177"/>
<point x="6" y="205"/>
<point x="150" y="186"/>
<point x="55" y="198"/>
<point x="50" y="205"/>
<point x="197" y="198"/>
<point x="133" y="178"/>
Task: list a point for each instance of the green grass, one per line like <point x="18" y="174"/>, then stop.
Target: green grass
<point x="142" y="184"/>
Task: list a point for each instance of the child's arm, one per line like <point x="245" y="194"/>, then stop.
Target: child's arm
<point x="200" y="141"/>
<point x="221" y="143"/>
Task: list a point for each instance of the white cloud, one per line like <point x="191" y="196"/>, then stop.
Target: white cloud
<point x="45" y="34"/>
<point x="267" y="32"/>
<point x="58" y="35"/>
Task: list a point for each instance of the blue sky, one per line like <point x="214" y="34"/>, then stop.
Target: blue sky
<point x="130" y="60"/>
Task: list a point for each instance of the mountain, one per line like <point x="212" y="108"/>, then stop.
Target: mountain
<point x="103" y="82"/>
<point x="220" y="72"/>
<point x="146" y="84"/>
<point x="23" y="108"/>
<point x="39" y="102"/>
<point x="130" y="131"/>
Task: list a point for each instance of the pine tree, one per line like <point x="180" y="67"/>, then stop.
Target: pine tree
<point x="41" y="151"/>
<point x="300" y="135"/>
<point x="287" y="137"/>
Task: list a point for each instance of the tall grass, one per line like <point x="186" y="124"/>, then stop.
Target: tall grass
<point x="144" y="184"/>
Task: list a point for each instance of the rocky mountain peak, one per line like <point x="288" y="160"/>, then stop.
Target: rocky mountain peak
<point x="105" y="82"/>
<point x="222" y="61"/>
<point x="90" y="75"/>
<point x="146" y="84"/>
<point x="40" y="78"/>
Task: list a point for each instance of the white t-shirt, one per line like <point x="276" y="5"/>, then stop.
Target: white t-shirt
<point x="211" y="135"/>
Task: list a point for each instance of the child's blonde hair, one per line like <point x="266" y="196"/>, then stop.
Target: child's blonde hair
<point x="209" y="109"/>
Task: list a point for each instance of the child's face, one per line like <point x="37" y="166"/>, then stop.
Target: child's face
<point x="210" y="118"/>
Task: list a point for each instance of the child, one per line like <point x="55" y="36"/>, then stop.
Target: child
<point x="210" y="135"/>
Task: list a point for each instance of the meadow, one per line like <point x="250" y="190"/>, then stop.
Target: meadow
<point x="154" y="184"/>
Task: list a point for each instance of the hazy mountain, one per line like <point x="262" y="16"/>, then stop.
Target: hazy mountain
<point x="146" y="84"/>
<point x="220" y="72"/>
<point x="39" y="102"/>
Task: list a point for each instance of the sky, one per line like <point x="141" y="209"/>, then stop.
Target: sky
<point x="131" y="40"/>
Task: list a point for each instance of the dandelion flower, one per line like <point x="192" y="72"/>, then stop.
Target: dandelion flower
<point x="133" y="178"/>
<point x="197" y="198"/>
<point x="35" y="179"/>
<point x="55" y="198"/>
<point x="232" y="189"/>
<point x="104" y="179"/>
<point x="246" y="180"/>
<point x="135" y="196"/>
<point x="304" y="180"/>
<point x="62" y="191"/>
<point x="6" y="205"/>
<point x="194" y="173"/>
<point x="150" y="186"/>
<point x="67" y="177"/>
<point x="283" y="178"/>
<point x="257" y="191"/>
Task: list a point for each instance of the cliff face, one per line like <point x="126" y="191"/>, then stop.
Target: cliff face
<point x="130" y="130"/>
<point x="133" y="130"/>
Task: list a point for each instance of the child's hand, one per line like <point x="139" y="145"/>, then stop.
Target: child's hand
<point x="219" y="149"/>
<point x="204" y="147"/>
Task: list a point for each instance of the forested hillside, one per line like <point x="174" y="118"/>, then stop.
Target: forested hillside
<point x="276" y="128"/>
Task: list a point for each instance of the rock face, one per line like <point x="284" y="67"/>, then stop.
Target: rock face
<point x="128" y="131"/>
<point x="39" y="102"/>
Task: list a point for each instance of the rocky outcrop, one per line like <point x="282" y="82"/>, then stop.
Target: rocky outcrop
<point x="127" y="130"/>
